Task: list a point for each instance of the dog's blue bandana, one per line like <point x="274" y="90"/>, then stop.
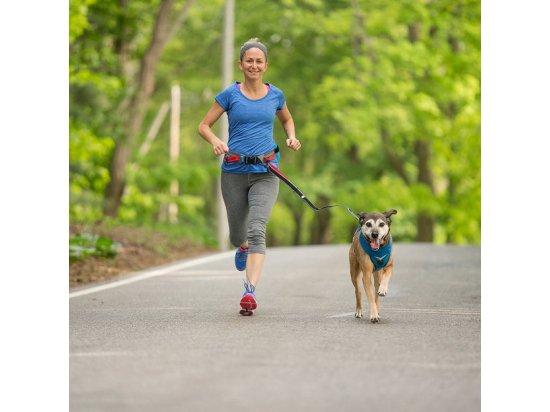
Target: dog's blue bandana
<point x="380" y="257"/>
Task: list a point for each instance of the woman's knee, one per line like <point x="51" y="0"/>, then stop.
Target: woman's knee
<point x="256" y="238"/>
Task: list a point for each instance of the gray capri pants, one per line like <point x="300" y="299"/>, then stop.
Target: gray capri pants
<point x="249" y="199"/>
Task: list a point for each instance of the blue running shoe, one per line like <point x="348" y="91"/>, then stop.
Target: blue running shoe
<point x="248" y="301"/>
<point x="240" y="258"/>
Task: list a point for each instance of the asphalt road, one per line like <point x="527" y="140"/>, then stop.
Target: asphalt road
<point x="172" y="339"/>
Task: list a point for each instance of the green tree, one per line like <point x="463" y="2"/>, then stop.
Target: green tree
<point x="396" y="103"/>
<point x="385" y="97"/>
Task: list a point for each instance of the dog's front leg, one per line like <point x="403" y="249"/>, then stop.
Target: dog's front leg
<point x="358" y="300"/>
<point x="367" y="282"/>
<point x="377" y="276"/>
<point x="355" y="275"/>
<point x="386" y="275"/>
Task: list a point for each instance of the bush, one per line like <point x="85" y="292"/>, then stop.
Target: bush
<point x="85" y="244"/>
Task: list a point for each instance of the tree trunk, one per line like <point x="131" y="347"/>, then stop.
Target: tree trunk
<point x="394" y="160"/>
<point x="425" y="221"/>
<point x="424" y="227"/>
<point x="298" y="226"/>
<point x="122" y="45"/>
<point x="321" y="224"/>
<point x="135" y="113"/>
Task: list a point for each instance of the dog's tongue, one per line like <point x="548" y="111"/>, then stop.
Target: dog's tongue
<point x="375" y="244"/>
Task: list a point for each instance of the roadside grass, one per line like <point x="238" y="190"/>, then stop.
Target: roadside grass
<point x="104" y="250"/>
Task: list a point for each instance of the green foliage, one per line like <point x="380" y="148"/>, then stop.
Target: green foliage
<point x="88" y="173"/>
<point x="365" y="82"/>
<point x="78" y="22"/>
<point x="85" y="244"/>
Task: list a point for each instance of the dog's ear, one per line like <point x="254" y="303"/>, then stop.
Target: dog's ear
<point x="362" y="217"/>
<point x="389" y="213"/>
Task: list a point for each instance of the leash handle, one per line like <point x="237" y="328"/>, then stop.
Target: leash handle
<point x="277" y="172"/>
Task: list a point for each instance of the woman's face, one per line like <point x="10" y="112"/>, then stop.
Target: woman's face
<point x="253" y="64"/>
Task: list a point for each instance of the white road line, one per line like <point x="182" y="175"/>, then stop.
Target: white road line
<point x="147" y="274"/>
<point x="441" y="311"/>
<point x="99" y="354"/>
<point x="343" y="315"/>
<point x="454" y="366"/>
<point x="232" y="272"/>
<point x="203" y="278"/>
<point x="143" y="309"/>
<point x="438" y="311"/>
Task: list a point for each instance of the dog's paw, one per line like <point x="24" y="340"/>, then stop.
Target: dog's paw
<point x="375" y="319"/>
<point x="359" y="313"/>
<point x="382" y="291"/>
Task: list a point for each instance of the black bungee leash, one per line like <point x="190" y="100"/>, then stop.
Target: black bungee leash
<point x="273" y="169"/>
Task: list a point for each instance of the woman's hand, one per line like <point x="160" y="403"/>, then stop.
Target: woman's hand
<point x="205" y="129"/>
<point x="220" y="147"/>
<point x="293" y="143"/>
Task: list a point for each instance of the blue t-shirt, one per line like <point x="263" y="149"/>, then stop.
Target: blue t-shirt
<point x="250" y="125"/>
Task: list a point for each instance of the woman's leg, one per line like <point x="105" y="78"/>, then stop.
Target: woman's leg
<point x="254" y="266"/>
<point x="262" y="195"/>
<point x="235" y="196"/>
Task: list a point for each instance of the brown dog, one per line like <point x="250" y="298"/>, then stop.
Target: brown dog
<point x="371" y="254"/>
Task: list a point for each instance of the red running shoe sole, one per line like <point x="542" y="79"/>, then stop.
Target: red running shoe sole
<point x="245" y="312"/>
<point x="248" y="302"/>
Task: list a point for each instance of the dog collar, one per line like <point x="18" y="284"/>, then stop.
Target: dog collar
<point x="380" y="257"/>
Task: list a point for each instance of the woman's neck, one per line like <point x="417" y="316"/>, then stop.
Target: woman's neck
<point x="254" y="89"/>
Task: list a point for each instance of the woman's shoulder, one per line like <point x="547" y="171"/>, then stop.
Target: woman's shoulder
<point x="229" y="92"/>
<point x="231" y="88"/>
<point x="274" y="88"/>
<point x="278" y="93"/>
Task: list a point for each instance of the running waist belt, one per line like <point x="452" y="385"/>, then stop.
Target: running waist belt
<point x="251" y="160"/>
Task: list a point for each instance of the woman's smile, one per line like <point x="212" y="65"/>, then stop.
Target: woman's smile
<point x="253" y="63"/>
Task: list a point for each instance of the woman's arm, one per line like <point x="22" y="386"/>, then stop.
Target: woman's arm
<point x="205" y="129"/>
<point x="288" y="125"/>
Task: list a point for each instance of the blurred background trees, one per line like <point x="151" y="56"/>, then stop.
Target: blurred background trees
<point x="385" y="98"/>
